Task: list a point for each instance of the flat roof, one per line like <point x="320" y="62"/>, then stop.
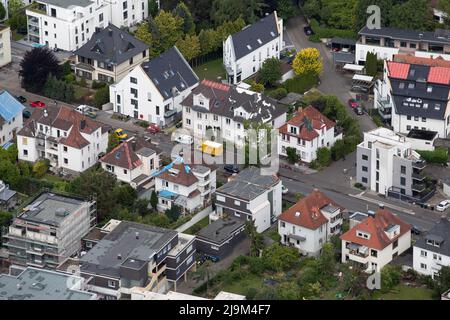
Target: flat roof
<point x="422" y="134"/>
<point x="220" y="230"/>
<point x="40" y="284"/>
<point x="353" y="67"/>
<point x="67" y="3"/>
<point x="51" y="209"/>
<point x="361" y="77"/>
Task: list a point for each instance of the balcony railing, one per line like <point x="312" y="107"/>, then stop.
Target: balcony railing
<point x="419" y="164"/>
<point x="418" y="176"/>
<point x="419" y="187"/>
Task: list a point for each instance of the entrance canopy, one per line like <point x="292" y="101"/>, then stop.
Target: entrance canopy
<point x="353" y="67"/>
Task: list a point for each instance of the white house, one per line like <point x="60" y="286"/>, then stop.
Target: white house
<point x="134" y="161"/>
<point x="387" y="42"/>
<point x="310" y="223"/>
<point x="432" y="251"/>
<point x="245" y="51"/>
<point x="250" y="196"/>
<point x="376" y="241"/>
<point x="154" y="90"/>
<point x="70" y="140"/>
<point x="69" y="24"/>
<point x="307" y="131"/>
<point x="190" y="188"/>
<point x="221" y="110"/>
<point x="5" y="45"/>
<point x="11" y="119"/>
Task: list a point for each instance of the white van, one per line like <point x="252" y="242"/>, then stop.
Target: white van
<point x="185" y="139"/>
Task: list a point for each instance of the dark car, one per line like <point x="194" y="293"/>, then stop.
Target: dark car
<point x="179" y="124"/>
<point x="359" y="111"/>
<point x="231" y="168"/>
<point x="416" y="230"/>
<point x="308" y="30"/>
<point x="26" y="114"/>
<point x="21" y="99"/>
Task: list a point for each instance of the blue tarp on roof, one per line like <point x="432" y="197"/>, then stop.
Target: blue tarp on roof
<point x="9" y="106"/>
<point x="167" y="194"/>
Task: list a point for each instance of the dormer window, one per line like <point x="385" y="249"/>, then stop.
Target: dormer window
<point x="293" y="130"/>
<point x="429" y="89"/>
<point x="362" y="234"/>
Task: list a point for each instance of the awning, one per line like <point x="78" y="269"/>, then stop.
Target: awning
<point x="359" y="77"/>
<point x="353" y="67"/>
<point x="353" y="246"/>
<point x="343" y="41"/>
<point x="295" y="237"/>
<point x="343" y="57"/>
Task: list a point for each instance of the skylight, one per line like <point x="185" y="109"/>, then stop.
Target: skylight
<point x="249" y="47"/>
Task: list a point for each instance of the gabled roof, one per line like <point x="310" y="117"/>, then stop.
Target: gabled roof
<point x="125" y="155"/>
<point x="111" y="45"/>
<point x="9" y="106"/>
<point x="376" y="226"/>
<point x="439" y="36"/>
<point x="256" y="35"/>
<point x="308" y="120"/>
<point x="307" y="212"/>
<point x="432" y="62"/>
<point x="170" y="70"/>
<point x="178" y="175"/>
<point x="441" y="231"/>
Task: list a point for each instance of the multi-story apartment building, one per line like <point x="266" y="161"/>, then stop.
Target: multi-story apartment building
<point x="153" y="90"/>
<point x="49" y="230"/>
<point x="5" y="45"/>
<point x="432" y="251"/>
<point x="307" y="131"/>
<point x="387" y="164"/>
<point x="310" y="223"/>
<point x="376" y="241"/>
<point x="415" y="95"/>
<point x="190" y="188"/>
<point x="245" y="51"/>
<point x="387" y="42"/>
<point x="137" y="255"/>
<point x="250" y="196"/>
<point x="69" y="24"/>
<point x="134" y="161"/>
<point x="221" y="110"/>
<point x="11" y="119"/>
<point x="109" y="55"/>
<point x="70" y="140"/>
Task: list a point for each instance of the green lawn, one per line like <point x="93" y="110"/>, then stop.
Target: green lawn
<point x="199" y="225"/>
<point x="242" y="286"/>
<point x="403" y="292"/>
<point x="273" y="234"/>
<point x="81" y="92"/>
<point x="52" y="178"/>
<point x="211" y="70"/>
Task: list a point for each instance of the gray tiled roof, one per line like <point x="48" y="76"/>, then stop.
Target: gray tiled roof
<point x="111" y="45"/>
<point x="439" y="36"/>
<point x="440" y="231"/>
<point x="265" y="30"/>
<point x="68" y="3"/>
<point x="170" y="70"/>
<point x="220" y="230"/>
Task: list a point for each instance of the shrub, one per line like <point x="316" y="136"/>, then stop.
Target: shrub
<point x="70" y="78"/>
<point x="439" y="155"/>
<point x="323" y="156"/>
<point x="101" y="97"/>
<point x="270" y="72"/>
<point x="322" y="32"/>
<point x="82" y="82"/>
<point x="292" y="155"/>
<point x="257" y="87"/>
<point x="97" y="85"/>
<point x="301" y="84"/>
<point x="40" y="168"/>
<point x="390" y="277"/>
<point x="279" y="93"/>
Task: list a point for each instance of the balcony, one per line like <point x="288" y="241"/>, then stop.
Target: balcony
<point x="418" y="187"/>
<point x="419" y="164"/>
<point x="32" y="21"/>
<point x="418" y="176"/>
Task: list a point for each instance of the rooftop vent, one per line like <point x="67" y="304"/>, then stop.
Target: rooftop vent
<point x="297" y="214"/>
<point x="119" y="257"/>
<point x="61" y="212"/>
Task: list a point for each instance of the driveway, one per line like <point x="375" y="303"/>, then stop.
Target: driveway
<point x="332" y="82"/>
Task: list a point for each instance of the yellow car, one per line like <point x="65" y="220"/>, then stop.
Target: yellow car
<point x="120" y="134"/>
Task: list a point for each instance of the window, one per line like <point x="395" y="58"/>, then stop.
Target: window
<point x="365" y="169"/>
<point x="236" y="214"/>
<point x="65" y="149"/>
<point x="111" y="284"/>
<point x="125" y="171"/>
<point x="424" y="119"/>
<point x="408" y="117"/>
<point x="25" y="152"/>
<point x="403" y="181"/>
<point x="131" y="61"/>
<point x="403" y="169"/>
<point x="364" y="179"/>
<point x="423" y="266"/>
<point x="364" y="157"/>
<point x="423" y="253"/>
<point x="133" y="80"/>
<point x="66" y="161"/>
<point x="373" y="253"/>
<point x="395" y="244"/>
<point x="228" y="121"/>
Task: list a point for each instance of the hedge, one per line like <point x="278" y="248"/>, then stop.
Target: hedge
<point x="301" y="84"/>
<point x="439" y="155"/>
<point x="323" y="32"/>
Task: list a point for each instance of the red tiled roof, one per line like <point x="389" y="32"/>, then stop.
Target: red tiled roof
<point x="312" y="115"/>
<point x="309" y="207"/>
<point x="398" y="70"/>
<point x="75" y="140"/>
<point x="124" y="156"/>
<point x="439" y="75"/>
<point x="375" y="226"/>
<point x="216" y="85"/>
<point x="182" y="177"/>
<point x="436" y="62"/>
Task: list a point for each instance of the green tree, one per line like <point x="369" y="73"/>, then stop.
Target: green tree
<point x="227" y="10"/>
<point x="256" y="239"/>
<point x="371" y="64"/>
<point x="338" y="150"/>
<point x="173" y="213"/>
<point x="35" y="67"/>
<point x="101" y="97"/>
<point x="326" y="264"/>
<point x="40" y="168"/>
<point x="286" y="8"/>
<point x="125" y="195"/>
<point x="390" y="276"/>
<point x="209" y="41"/>
<point x="360" y="12"/>
<point x="280" y="258"/>
<point x="152" y="8"/>
<point x="143" y="33"/>
<point x="308" y="61"/>
<point x="183" y="12"/>
<point x="189" y="47"/>
<point x="257" y="87"/>
<point x="15" y="7"/>
<point x="442" y="281"/>
<point x="412" y="14"/>
<point x="2" y="12"/>
<point x="154" y="200"/>
<point x="292" y="155"/>
<point x="166" y="30"/>
<point x="270" y="72"/>
<point x="323" y="156"/>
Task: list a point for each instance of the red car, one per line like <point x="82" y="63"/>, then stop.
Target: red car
<point x="37" y="104"/>
<point x="353" y="103"/>
<point x="153" y="128"/>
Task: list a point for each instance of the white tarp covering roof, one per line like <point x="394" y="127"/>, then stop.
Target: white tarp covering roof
<point x="353" y="67"/>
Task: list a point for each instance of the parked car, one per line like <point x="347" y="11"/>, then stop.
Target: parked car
<point x="21" y="99"/>
<point x="185" y="139"/>
<point x="352" y="103"/>
<point x="308" y="30"/>
<point x="153" y="128"/>
<point x="416" y="230"/>
<point x="26" y="114"/>
<point x="179" y="124"/>
<point x="120" y="134"/>
<point x="443" y="205"/>
<point x="359" y="111"/>
<point x="212" y="258"/>
<point x="37" y="104"/>
<point x="231" y="168"/>
<point x="284" y="190"/>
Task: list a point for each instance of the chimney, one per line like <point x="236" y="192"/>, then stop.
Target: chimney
<point x="137" y="235"/>
<point x="110" y="32"/>
<point x="45" y="113"/>
<point x="119" y="257"/>
<point x="133" y="145"/>
<point x="82" y="124"/>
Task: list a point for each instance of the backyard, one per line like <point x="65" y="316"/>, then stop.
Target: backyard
<point x="212" y="70"/>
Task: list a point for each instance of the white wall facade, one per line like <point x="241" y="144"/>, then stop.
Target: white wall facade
<point x="8" y="129"/>
<point x="5" y="46"/>
<point x="314" y="239"/>
<point x="428" y="262"/>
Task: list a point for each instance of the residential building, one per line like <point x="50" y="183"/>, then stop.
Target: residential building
<point x="142" y="294"/>
<point x="137" y="255"/>
<point x="221" y="110"/>
<point x="49" y="230"/>
<point x="310" y="223"/>
<point x="40" y="284"/>
<point x="388" y="165"/>
<point x="245" y="51"/>
<point x="415" y="95"/>
<point x="432" y="251"/>
<point x="69" y="24"/>
<point x="376" y="241"/>
<point x="438" y="14"/>
<point x="220" y="237"/>
<point x="11" y="119"/>
<point x="250" y="196"/>
<point x="189" y="187"/>
<point x="109" y="55"/>
<point x="153" y="90"/>
<point x="8" y="197"/>
<point x="70" y="140"/>
<point x="5" y="45"/>
<point x="134" y="161"/>
<point x="307" y="131"/>
<point x="387" y="42"/>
